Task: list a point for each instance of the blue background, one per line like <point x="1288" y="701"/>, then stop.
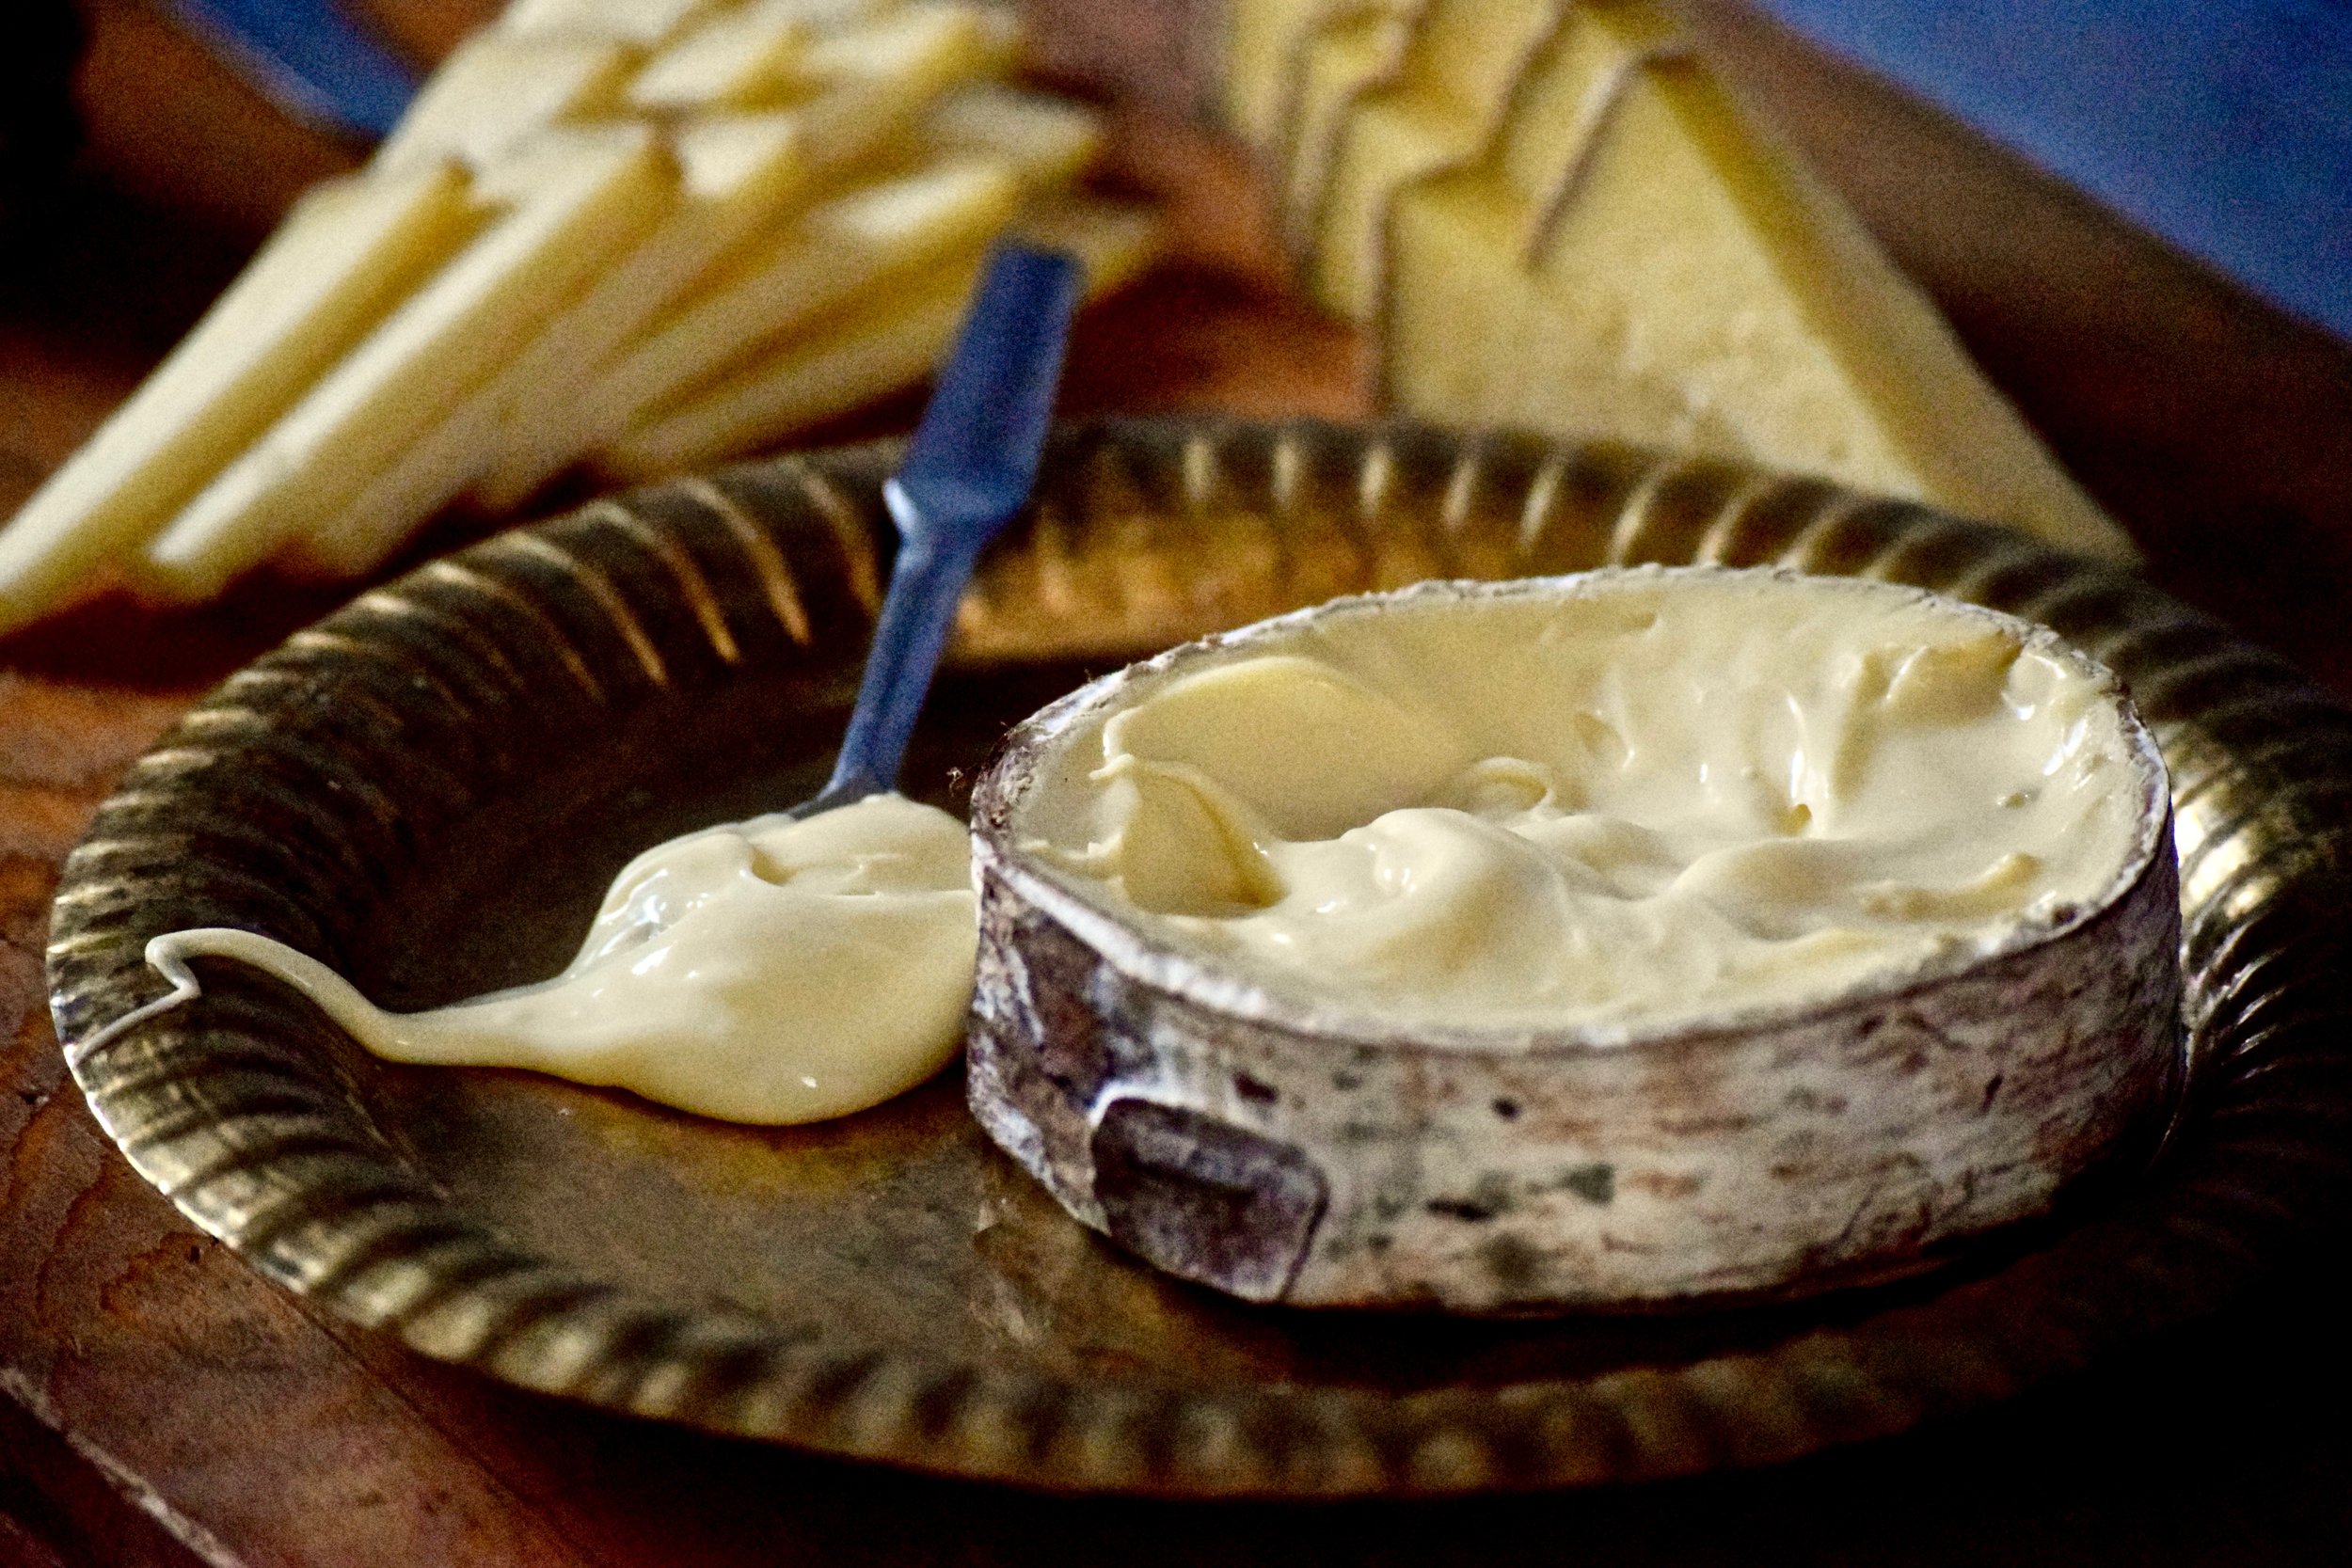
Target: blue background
<point x="2225" y="126"/>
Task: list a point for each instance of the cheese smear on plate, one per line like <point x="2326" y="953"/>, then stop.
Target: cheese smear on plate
<point x="1662" y="798"/>
<point x="770" y="971"/>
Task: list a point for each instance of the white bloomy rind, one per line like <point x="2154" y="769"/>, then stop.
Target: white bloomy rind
<point x="1282" y="1150"/>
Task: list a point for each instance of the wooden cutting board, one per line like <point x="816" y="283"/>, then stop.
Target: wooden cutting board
<point x="160" y="1403"/>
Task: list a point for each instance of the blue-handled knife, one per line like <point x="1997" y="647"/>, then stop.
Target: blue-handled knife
<point x="309" y="58"/>
<point x="967" y="472"/>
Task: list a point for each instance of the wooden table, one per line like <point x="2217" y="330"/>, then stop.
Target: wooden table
<point x="160" y="1403"/>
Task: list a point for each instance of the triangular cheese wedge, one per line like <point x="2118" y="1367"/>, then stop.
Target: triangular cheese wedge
<point x="1500" y="202"/>
<point x="495" y="91"/>
<point x="578" y="198"/>
<point x="1352" y="49"/>
<point x="340" y="262"/>
<point x="891" y="341"/>
<point x="1441" y="108"/>
<point x="1693" y="286"/>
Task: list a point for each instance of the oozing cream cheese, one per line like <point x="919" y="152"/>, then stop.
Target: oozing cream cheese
<point x="1639" y="800"/>
<point x="769" y="971"/>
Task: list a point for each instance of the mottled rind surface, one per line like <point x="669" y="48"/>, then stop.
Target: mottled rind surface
<point x="1521" y="1170"/>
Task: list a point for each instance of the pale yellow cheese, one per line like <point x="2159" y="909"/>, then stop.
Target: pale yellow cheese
<point x="739" y="173"/>
<point x="1444" y="105"/>
<point x="495" y="91"/>
<point x="753" y="55"/>
<point x="869" y="241"/>
<point x="1629" y="801"/>
<point x="643" y="23"/>
<point x="872" y="83"/>
<point x="509" y="435"/>
<point x="873" y="78"/>
<point x="1113" y="241"/>
<point x="772" y="970"/>
<point x="843" y="366"/>
<point x="1049" y="140"/>
<point x="342" y="260"/>
<point x="1351" y="48"/>
<point x="862" y="240"/>
<point x="578" y="197"/>
<point x="1694" y="287"/>
<point x="1261" y="50"/>
<point x="889" y="343"/>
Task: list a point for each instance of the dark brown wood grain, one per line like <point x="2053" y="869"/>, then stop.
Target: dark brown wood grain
<point x="162" y="1404"/>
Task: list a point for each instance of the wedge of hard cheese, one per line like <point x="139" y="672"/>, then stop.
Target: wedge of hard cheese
<point x="343" y="258"/>
<point x="1634" y="259"/>
<point x="870" y="242"/>
<point x="735" y="173"/>
<point x="578" y="198"/>
<point x="644" y="23"/>
<point x="739" y="180"/>
<point x="1443" y="106"/>
<point x="865" y="354"/>
<point x="1351" y="48"/>
<point x="496" y="90"/>
<point x="1261" y="47"/>
<point x="983" y="151"/>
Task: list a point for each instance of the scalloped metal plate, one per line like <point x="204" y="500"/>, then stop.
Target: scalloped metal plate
<point x="429" y="787"/>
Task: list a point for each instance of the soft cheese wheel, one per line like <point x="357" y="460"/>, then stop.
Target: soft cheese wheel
<point x="1648" y="935"/>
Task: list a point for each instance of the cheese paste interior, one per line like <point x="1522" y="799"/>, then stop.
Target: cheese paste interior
<point x="1661" y="796"/>
<point x="769" y="971"/>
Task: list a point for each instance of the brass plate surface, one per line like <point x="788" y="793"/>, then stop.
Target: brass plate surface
<point x="429" y="789"/>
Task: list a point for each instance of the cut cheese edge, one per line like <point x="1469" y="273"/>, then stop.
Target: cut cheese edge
<point x="578" y="197"/>
<point x="1261" y="45"/>
<point x="738" y="173"/>
<point x="363" y="533"/>
<point x="1442" y="108"/>
<point x="643" y="23"/>
<point x="756" y="54"/>
<point x="873" y="83"/>
<point x="496" y="91"/>
<point x="1050" y="141"/>
<point x="1697" y="289"/>
<point x="860" y="243"/>
<point x="1112" y="242"/>
<point x="865" y="354"/>
<point x="862" y="357"/>
<point x="637" y="359"/>
<point x="340" y="262"/>
<point x="1352" y="49"/>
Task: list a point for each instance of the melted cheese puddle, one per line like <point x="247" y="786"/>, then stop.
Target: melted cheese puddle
<point x="769" y="971"/>
<point x="1670" y="797"/>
